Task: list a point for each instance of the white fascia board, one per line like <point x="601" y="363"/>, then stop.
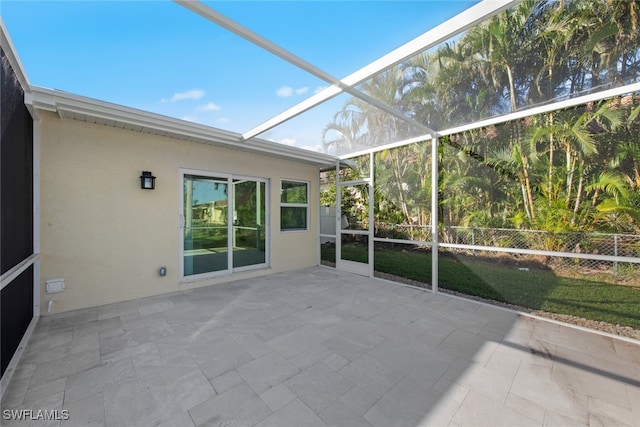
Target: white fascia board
<point x="53" y="100"/>
<point x="295" y="153"/>
<point x="431" y="38"/>
<point x="63" y="102"/>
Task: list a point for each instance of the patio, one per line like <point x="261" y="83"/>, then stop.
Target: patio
<point x="320" y="347"/>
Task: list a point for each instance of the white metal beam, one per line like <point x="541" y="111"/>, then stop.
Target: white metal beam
<point x="551" y="106"/>
<point x="431" y="38"/>
<point x="532" y="111"/>
<point x="442" y="32"/>
<point x="459" y="23"/>
<point x="337" y="85"/>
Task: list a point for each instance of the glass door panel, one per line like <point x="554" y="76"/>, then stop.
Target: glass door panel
<point x="206" y="232"/>
<point x="354" y="203"/>
<point x="355" y="248"/>
<point x="354" y="229"/>
<point x="249" y="219"/>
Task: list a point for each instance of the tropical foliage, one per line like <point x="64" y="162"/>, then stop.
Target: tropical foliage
<point x="566" y="170"/>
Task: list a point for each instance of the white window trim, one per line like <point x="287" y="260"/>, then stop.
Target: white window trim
<point x="295" y="205"/>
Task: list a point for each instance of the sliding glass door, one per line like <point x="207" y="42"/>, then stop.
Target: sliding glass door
<point x="249" y="235"/>
<point x="223" y="224"/>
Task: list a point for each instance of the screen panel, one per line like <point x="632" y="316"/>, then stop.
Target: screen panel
<point x="16" y="300"/>
<point x="16" y="172"/>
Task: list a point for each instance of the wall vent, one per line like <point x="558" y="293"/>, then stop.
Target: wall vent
<point x="54" y="285"/>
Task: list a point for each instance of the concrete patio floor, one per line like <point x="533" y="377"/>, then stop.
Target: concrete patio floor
<point x="320" y="347"/>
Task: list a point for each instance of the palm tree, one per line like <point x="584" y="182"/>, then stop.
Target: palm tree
<point x="551" y="170"/>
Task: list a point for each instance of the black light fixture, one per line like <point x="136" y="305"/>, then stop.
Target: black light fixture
<point x="147" y="181"/>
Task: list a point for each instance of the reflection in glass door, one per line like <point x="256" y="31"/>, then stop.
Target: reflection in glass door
<point x="206" y="232"/>
<point x="249" y="215"/>
<point x="223" y="224"/>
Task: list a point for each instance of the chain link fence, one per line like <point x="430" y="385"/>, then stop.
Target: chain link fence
<point x="420" y="233"/>
<point x="621" y="245"/>
<point x="624" y="245"/>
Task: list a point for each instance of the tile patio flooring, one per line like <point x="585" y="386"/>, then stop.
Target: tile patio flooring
<point x="321" y="347"/>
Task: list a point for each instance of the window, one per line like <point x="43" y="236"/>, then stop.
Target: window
<point x="294" y="206"/>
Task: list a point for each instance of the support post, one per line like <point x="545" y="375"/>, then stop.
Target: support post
<point x="371" y="218"/>
<point x="434" y="214"/>
<point x="338" y="214"/>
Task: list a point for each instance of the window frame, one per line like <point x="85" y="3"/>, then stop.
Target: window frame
<point x="230" y="179"/>
<point x="295" y="205"/>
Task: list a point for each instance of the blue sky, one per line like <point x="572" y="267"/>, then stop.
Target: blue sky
<point x="160" y="57"/>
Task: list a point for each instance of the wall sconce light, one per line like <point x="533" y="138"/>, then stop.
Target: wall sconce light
<point x="147" y="181"/>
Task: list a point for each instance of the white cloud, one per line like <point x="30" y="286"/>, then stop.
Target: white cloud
<point x="319" y="89"/>
<point x="223" y="120"/>
<point x="208" y="107"/>
<point x="287" y="91"/>
<point x="284" y="91"/>
<point x="181" y="96"/>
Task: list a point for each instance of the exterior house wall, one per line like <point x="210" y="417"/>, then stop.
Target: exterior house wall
<point x="107" y="237"/>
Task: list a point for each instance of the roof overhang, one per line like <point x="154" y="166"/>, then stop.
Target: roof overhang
<point x="74" y="107"/>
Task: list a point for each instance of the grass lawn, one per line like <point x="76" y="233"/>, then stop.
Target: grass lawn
<point x="537" y="289"/>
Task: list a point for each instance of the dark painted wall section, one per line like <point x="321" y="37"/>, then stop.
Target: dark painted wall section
<point x="16" y="211"/>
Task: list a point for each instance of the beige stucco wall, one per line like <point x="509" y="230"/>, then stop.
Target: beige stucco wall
<point x="107" y="238"/>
